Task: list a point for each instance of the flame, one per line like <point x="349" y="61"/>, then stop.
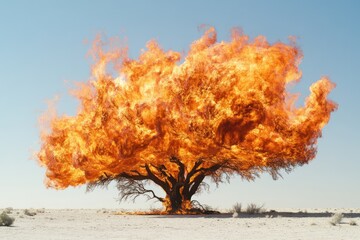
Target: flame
<point x="223" y="101"/>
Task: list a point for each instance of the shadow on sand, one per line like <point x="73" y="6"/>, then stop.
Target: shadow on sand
<point x="269" y="214"/>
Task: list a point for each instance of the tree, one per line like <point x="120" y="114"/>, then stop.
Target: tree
<point x="222" y="110"/>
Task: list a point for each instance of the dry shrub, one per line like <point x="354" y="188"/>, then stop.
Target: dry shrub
<point x="6" y="220"/>
<point x="253" y="208"/>
<point x="41" y="210"/>
<point x="9" y="210"/>
<point x="30" y="213"/>
<point x="236" y="208"/>
<point x="352" y="223"/>
<point x="336" y="218"/>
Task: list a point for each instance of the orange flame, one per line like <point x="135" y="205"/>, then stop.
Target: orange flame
<point x="225" y="101"/>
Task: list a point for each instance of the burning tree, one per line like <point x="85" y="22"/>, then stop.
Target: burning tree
<point x="224" y="109"/>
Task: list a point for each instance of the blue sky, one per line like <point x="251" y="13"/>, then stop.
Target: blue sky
<point x="43" y="48"/>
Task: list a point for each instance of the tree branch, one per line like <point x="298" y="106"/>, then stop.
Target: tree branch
<point x="181" y="174"/>
<point x="163" y="171"/>
<point x="193" y="185"/>
<point x="164" y="185"/>
<point x="193" y="171"/>
<point x="138" y="177"/>
<point x="129" y="188"/>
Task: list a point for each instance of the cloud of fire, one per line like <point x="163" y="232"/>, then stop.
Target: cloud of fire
<point x="227" y="101"/>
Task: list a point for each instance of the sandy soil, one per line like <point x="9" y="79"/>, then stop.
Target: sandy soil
<point x="69" y="224"/>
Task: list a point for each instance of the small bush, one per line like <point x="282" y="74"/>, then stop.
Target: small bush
<point x="252" y="208"/>
<point x="8" y="210"/>
<point x="352" y="223"/>
<point x="336" y="218"/>
<point x="236" y="208"/>
<point x="209" y="210"/>
<point x="6" y="220"/>
<point x="29" y="212"/>
<point x="42" y="210"/>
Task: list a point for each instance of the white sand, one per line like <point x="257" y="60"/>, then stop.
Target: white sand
<point x="104" y="224"/>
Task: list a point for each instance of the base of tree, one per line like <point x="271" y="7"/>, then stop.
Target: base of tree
<point x="199" y="211"/>
<point x="192" y="211"/>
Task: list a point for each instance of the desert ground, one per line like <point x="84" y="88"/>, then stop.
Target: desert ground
<point x="67" y="224"/>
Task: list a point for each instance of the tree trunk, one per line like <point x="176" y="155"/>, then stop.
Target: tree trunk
<point x="182" y="186"/>
<point x="175" y="204"/>
<point x="179" y="186"/>
<point x="178" y="199"/>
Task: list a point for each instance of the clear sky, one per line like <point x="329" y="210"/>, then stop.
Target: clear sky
<point x="43" y="48"/>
